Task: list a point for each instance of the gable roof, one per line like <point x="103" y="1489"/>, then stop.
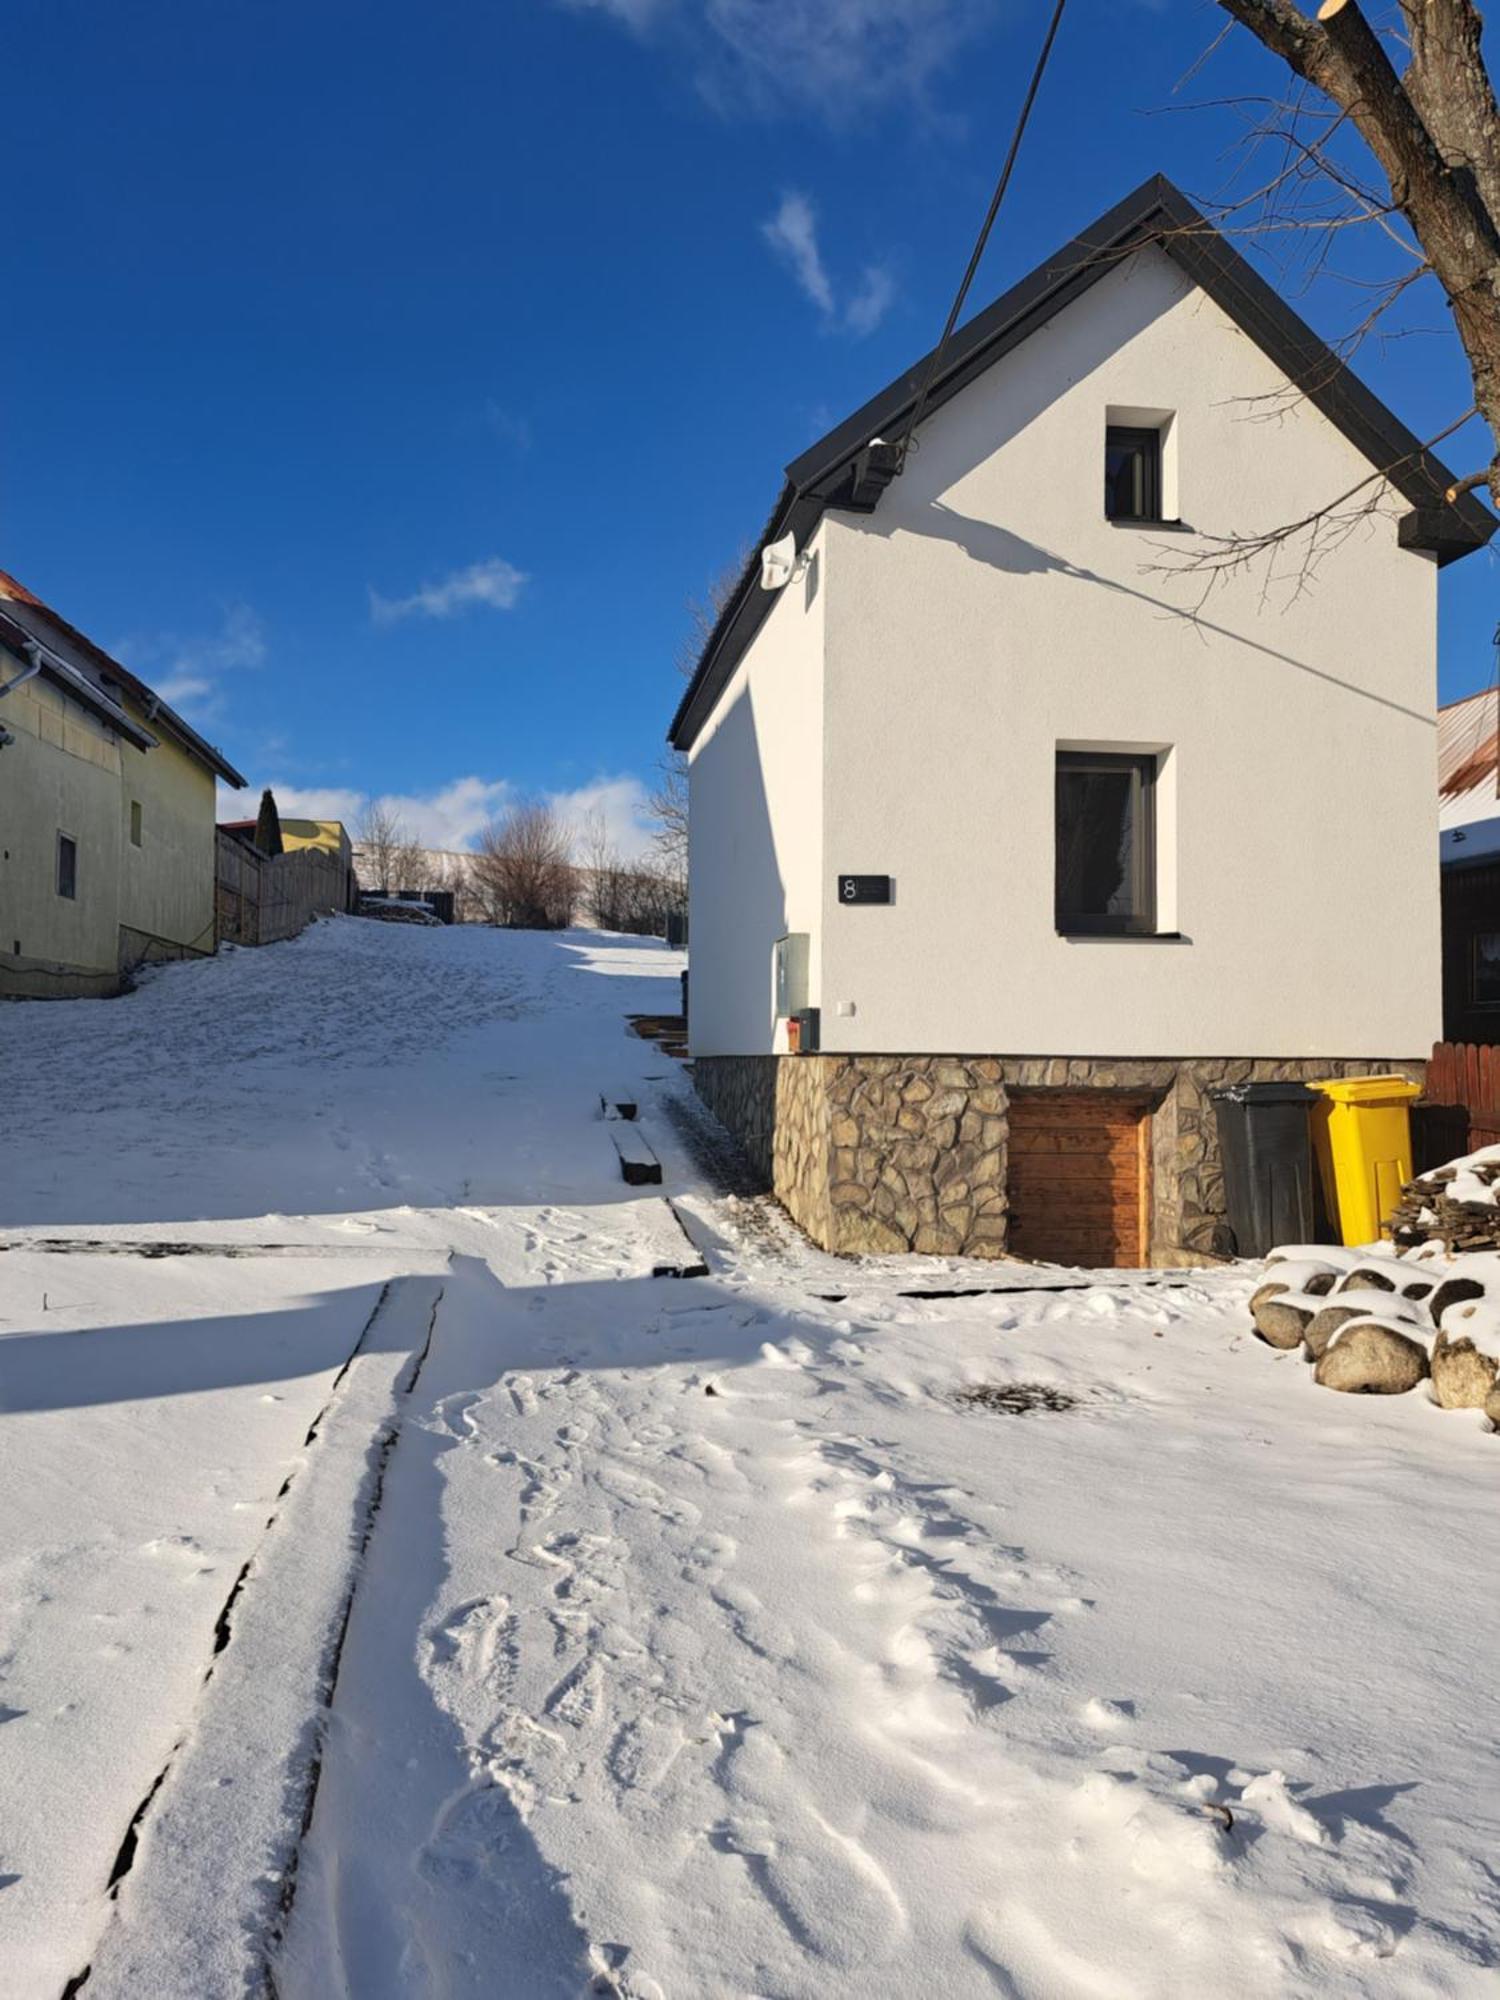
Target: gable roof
<point x="850" y="467"/>
<point x="92" y="676"/>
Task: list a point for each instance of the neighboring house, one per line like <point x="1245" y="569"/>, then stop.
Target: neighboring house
<point x="319" y="836"/>
<point x="1469" y="843"/>
<point x="327" y="835"/>
<point x="106" y="813"/>
<point x="1048" y="837"/>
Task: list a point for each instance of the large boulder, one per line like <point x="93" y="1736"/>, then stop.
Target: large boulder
<point x="1281" y="1322"/>
<point x="1367" y="1357"/>
<point x="1466" y="1357"/>
<point x="1295" y="1276"/>
<point x="1347" y="1306"/>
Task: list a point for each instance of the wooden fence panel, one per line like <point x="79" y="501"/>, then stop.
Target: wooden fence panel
<point x="261" y="899"/>
<point x="1466" y="1076"/>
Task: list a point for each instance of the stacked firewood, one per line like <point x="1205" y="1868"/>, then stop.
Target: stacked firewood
<point x="1431" y="1212"/>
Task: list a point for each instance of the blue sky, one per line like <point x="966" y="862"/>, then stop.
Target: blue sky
<point x="382" y="380"/>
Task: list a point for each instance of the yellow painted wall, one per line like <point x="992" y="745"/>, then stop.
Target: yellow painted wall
<point x="61" y="774"/>
<point x="167" y="883"/>
<point x="327" y="834"/>
<point x="67" y="772"/>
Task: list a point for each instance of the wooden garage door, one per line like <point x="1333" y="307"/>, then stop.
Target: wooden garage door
<point x="1078" y="1172"/>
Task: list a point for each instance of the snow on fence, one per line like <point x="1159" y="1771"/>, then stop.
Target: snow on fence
<point x="260" y="899"/>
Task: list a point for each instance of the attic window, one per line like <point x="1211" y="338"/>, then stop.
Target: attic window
<point x="135" y="822"/>
<point x="1132" y="473"/>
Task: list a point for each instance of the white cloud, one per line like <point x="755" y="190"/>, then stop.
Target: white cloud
<point x="494" y="582"/>
<point x="619" y="803"/>
<point x="834" y="58"/>
<point x="186" y="672"/>
<point x="792" y="233"/>
<point x="871" y="302"/>
<point x="454" y="815"/>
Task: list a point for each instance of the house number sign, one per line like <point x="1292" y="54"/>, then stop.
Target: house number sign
<point x="864" y="888"/>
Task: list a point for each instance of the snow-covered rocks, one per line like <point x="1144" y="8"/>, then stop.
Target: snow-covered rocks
<point x="1466" y="1353"/>
<point x="1379" y="1320"/>
<point x="1457" y="1205"/>
<point x="1371" y="1357"/>
<point x="1356" y="1303"/>
<point x="1289" y="1298"/>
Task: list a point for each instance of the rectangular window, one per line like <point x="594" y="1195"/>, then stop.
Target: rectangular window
<point x="135" y="822"/>
<point x="1106" y="843"/>
<point x="1132" y="473"/>
<point x="1484" y="973"/>
<point x="67" y="866"/>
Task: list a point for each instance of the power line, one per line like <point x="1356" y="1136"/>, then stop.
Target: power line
<point x="984" y="235"/>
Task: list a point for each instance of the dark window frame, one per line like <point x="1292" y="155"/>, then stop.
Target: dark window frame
<point x="67" y="876"/>
<point x="1145" y="439"/>
<point x="137" y="824"/>
<point x="1141" y="920"/>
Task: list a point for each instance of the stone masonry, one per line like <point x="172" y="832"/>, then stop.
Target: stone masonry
<point x="892" y="1153"/>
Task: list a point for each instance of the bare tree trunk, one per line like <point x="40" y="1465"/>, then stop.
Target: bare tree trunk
<point x="1435" y="133"/>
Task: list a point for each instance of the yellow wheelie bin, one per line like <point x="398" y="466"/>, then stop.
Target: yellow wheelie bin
<point x="1362" y="1137"/>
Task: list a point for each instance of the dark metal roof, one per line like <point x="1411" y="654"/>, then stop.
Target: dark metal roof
<point x="17" y="640"/>
<point x="22" y="609"/>
<point x="841" y="470"/>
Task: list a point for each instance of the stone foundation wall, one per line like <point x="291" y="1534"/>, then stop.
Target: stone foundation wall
<point x="893" y="1153"/>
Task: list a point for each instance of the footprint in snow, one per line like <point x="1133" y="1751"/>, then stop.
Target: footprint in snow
<point x="644" y="1751"/>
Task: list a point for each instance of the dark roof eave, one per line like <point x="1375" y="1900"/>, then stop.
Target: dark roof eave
<point x="157" y="709"/>
<point x="15" y="639"/>
<point x="1155" y="213"/>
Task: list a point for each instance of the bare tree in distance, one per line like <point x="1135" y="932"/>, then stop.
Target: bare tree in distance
<point x="667" y="805"/>
<point x="523" y="872"/>
<point x="1410" y="154"/>
<point x="455" y="873"/>
<point x="635" y="897"/>
<point x="382" y="840"/>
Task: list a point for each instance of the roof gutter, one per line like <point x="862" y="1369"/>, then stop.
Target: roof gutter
<point x="28" y="672"/>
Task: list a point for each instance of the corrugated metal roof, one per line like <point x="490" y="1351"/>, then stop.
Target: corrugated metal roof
<point x="1468" y="765"/>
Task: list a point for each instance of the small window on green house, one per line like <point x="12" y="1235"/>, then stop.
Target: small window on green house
<point x="135" y="822"/>
<point x="67" y="866"/>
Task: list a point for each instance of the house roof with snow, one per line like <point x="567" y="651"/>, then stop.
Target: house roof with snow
<point x="851" y="466"/>
<point x="93" y="677"/>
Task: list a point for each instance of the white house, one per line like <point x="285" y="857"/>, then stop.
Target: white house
<point x="1127" y="836"/>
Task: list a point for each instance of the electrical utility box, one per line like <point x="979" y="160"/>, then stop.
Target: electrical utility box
<point x="792" y="955"/>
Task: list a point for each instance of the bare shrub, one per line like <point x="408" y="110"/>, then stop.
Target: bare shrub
<point x="523" y="873"/>
<point x="636" y="897"/>
<point x="382" y="844"/>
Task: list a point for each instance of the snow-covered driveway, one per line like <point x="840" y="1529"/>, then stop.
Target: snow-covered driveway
<point x="690" y="1638"/>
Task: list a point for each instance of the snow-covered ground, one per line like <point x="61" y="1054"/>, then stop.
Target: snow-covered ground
<point x="689" y="1638"/>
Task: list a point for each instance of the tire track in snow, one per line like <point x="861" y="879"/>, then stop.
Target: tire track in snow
<point x="326" y="1622"/>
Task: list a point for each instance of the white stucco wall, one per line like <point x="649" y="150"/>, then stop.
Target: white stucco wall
<point x="755" y="804"/>
<point x="987" y="612"/>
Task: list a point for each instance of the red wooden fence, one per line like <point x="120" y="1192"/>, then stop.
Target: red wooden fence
<point x="1468" y="1074"/>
